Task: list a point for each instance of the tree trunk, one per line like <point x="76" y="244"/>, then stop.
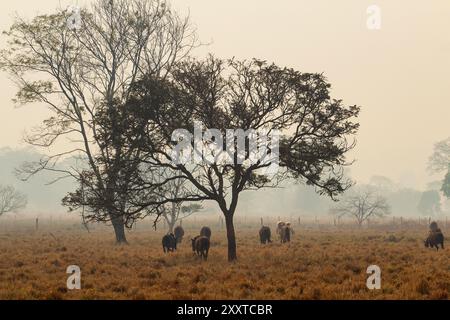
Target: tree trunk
<point x="119" y="230"/>
<point x="171" y="226"/>
<point x="231" y="236"/>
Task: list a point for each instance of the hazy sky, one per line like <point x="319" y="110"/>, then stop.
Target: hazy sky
<point x="399" y="74"/>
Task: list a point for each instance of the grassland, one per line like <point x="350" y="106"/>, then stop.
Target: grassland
<point x="326" y="263"/>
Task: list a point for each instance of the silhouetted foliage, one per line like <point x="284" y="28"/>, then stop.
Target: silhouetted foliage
<point x="84" y="74"/>
<point x="243" y="95"/>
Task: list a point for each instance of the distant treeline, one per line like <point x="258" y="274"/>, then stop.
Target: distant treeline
<point x="291" y="199"/>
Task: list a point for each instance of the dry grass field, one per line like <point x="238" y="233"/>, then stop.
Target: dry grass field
<point x="325" y="263"/>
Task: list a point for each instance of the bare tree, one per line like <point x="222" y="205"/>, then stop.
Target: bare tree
<point x="11" y="200"/>
<point x="361" y="203"/>
<point x="173" y="212"/>
<point x="245" y="96"/>
<point x="83" y="73"/>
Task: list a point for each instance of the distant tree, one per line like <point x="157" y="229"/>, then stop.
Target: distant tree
<point x="248" y="95"/>
<point x="11" y="200"/>
<point x="430" y="203"/>
<point x="173" y="212"/>
<point x="404" y="201"/>
<point x="434" y="185"/>
<point x="177" y="213"/>
<point x="307" y="201"/>
<point x="362" y="203"/>
<point x="446" y="185"/>
<point x="440" y="162"/>
<point x="440" y="159"/>
<point x="81" y="67"/>
<point x="383" y="183"/>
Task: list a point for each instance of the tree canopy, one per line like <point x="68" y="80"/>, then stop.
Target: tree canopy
<point x="84" y="70"/>
<point x="241" y="95"/>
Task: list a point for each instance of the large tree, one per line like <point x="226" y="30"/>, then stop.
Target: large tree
<point x="247" y="95"/>
<point x="383" y="183"/>
<point x="80" y="64"/>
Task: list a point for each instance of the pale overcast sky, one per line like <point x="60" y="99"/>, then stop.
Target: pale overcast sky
<point x="399" y="74"/>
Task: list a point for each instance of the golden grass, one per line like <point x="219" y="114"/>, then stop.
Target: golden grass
<point x="318" y="264"/>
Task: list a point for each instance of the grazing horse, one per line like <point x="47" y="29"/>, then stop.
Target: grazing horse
<point x="280" y="226"/>
<point x="434" y="226"/>
<point x="169" y="243"/>
<point x="264" y="235"/>
<point x="179" y="234"/>
<point x="435" y="238"/>
<point x="206" y="232"/>
<point x="285" y="234"/>
<point x="201" y="245"/>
